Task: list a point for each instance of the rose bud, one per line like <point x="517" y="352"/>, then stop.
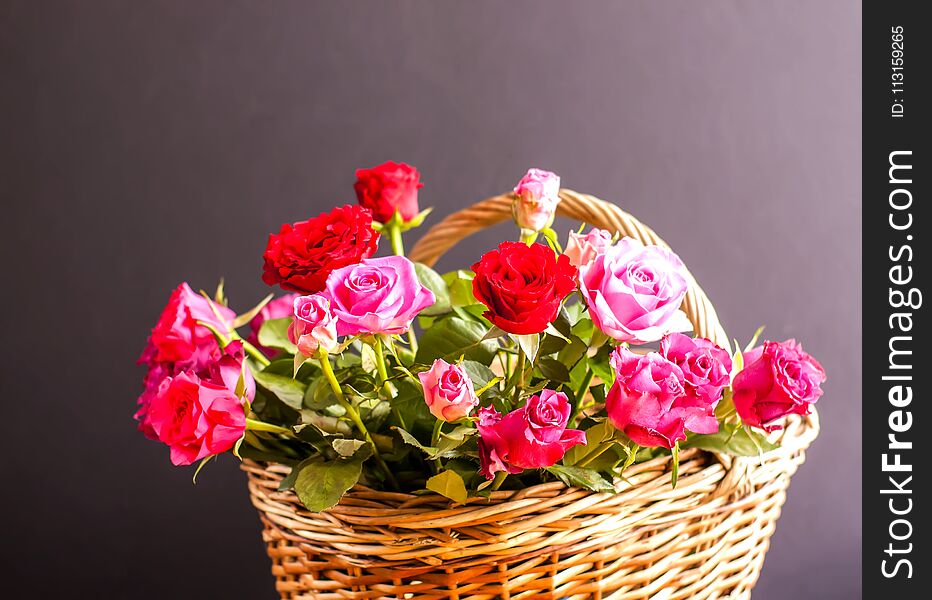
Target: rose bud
<point x="388" y="188"/>
<point x="648" y="401"/>
<point x="301" y="256"/>
<point x="531" y="437"/>
<point x="448" y="391"/>
<point x="777" y="380"/>
<point x="582" y="249"/>
<point x="536" y="199"/>
<point x="522" y="286"/>
<point x="379" y="295"/>
<point x="195" y="418"/>
<point x="314" y="325"/>
<point x="634" y="292"/>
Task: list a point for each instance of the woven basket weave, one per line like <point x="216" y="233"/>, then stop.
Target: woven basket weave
<point x="704" y="539"/>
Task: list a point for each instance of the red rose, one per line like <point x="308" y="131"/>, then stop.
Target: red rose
<point x="523" y="286"/>
<point x="301" y="256"/>
<point x="777" y="380"/>
<point x="389" y="187"/>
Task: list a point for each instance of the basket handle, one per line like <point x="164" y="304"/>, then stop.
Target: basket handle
<point x="582" y="207"/>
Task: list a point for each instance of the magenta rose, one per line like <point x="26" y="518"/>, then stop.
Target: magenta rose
<point x="706" y="367"/>
<point x="530" y="437"/>
<point x="536" y="199"/>
<point x="448" y="391"/>
<point x="582" y="249"/>
<point x="379" y="295"/>
<point x="177" y="337"/>
<point x="649" y="403"/>
<point x="278" y="308"/>
<point x="634" y="291"/>
<point x="777" y="380"/>
<point x="195" y="418"/>
<point x="314" y="325"/>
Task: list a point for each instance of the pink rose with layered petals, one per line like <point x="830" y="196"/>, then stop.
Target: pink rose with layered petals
<point x="634" y="291"/>
<point x="706" y="367"/>
<point x="448" y="391"/>
<point x="278" y="308"/>
<point x="314" y="325"/>
<point x="195" y="418"/>
<point x="778" y="380"/>
<point x="536" y="199"/>
<point x="582" y="249"/>
<point x="379" y="295"/>
<point x="649" y="403"/>
<point x="530" y="437"/>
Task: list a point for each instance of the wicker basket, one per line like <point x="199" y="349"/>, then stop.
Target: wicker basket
<point x="705" y="539"/>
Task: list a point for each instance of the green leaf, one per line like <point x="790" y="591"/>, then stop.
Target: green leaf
<point x="320" y="484"/>
<point x="288" y="390"/>
<point x="732" y="439"/>
<point x="274" y="334"/>
<point x="347" y="447"/>
<point x="450" y="485"/>
<point x="480" y="374"/>
<point x="600" y="366"/>
<point x="589" y="479"/>
<point x="530" y="343"/>
<point x="250" y="314"/>
<point x="675" y="464"/>
<point x="553" y="370"/>
<point x="452" y="337"/>
<point x="435" y="283"/>
<point x="459" y="286"/>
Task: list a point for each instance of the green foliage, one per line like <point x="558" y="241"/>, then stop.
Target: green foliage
<point x="735" y="439"/>
<point x="274" y="334"/>
<point x="450" y="485"/>
<point x="435" y="283"/>
<point x="320" y="484"/>
<point x="451" y="337"/>
<point x="589" y="479"/>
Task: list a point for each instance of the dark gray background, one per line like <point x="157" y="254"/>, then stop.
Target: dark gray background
<point x="147" y="143"/>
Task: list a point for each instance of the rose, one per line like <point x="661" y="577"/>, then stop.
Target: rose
<point x="536" y="199"/>
<point x="531" y="437"/>
<point x="279" y="308"/>
<point x="634" y="291"/>
<point x="648" y="401"/>
<point x="706" y="367"/>
<point x="379" y="295"/>
<point x="301" y="256"/>
<point x="195" y="418"/>
<point x="228" y="370"/>
<point x="178" y="338"/>
<point x="388" y="188"/>
<point x="314" y="325"/>
<point x="777" y="380"/>
<point x="448" y="391"/>
<point x="522" y="286"/>
<point x="582" y="249"/>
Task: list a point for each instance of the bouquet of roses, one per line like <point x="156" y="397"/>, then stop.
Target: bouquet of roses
<point x="540" y="362"/>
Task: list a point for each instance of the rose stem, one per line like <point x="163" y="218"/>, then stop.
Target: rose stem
<point x="255" y="353"/>
<point x="354" y="416"/>
<point x="580" y="394"/>
<point x="434" y="440"/>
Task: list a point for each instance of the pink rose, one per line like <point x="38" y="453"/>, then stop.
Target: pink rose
<point x="314" y="326"/>
<point x="706" y="367"/>
<point x="530" y="437"/>
<point x="634" y="292"/>
<point x="448" y="391"/>
<point x="777" y="380"/>
<point x="582" y="249"/>
<point x="649" y="403"/>
<point x="177" y="338"/>
<point x="228" y="369"/>
<point x="379" y="295"/>
<point x="195" y="418"/>
<point x="278" y="308"/>
<point x="536" y="199"/>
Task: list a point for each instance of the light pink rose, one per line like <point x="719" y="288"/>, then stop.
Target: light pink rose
<point x="530" y="437"/>
<point x="582" y="249"/>
<point x="634" y="292"/>
<point x="278" y="308"/>
<point x="649" y="403"/>
<point x="448" y="391"/>
<point x="314" y="325"/>
<point x="536" y="199"/>
<point x="195" y="418"/>
<point x="777" y="380"/>
<point x="379" y="295"/>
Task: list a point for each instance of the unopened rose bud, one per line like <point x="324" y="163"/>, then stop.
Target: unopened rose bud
<point x="536" y="199"/>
